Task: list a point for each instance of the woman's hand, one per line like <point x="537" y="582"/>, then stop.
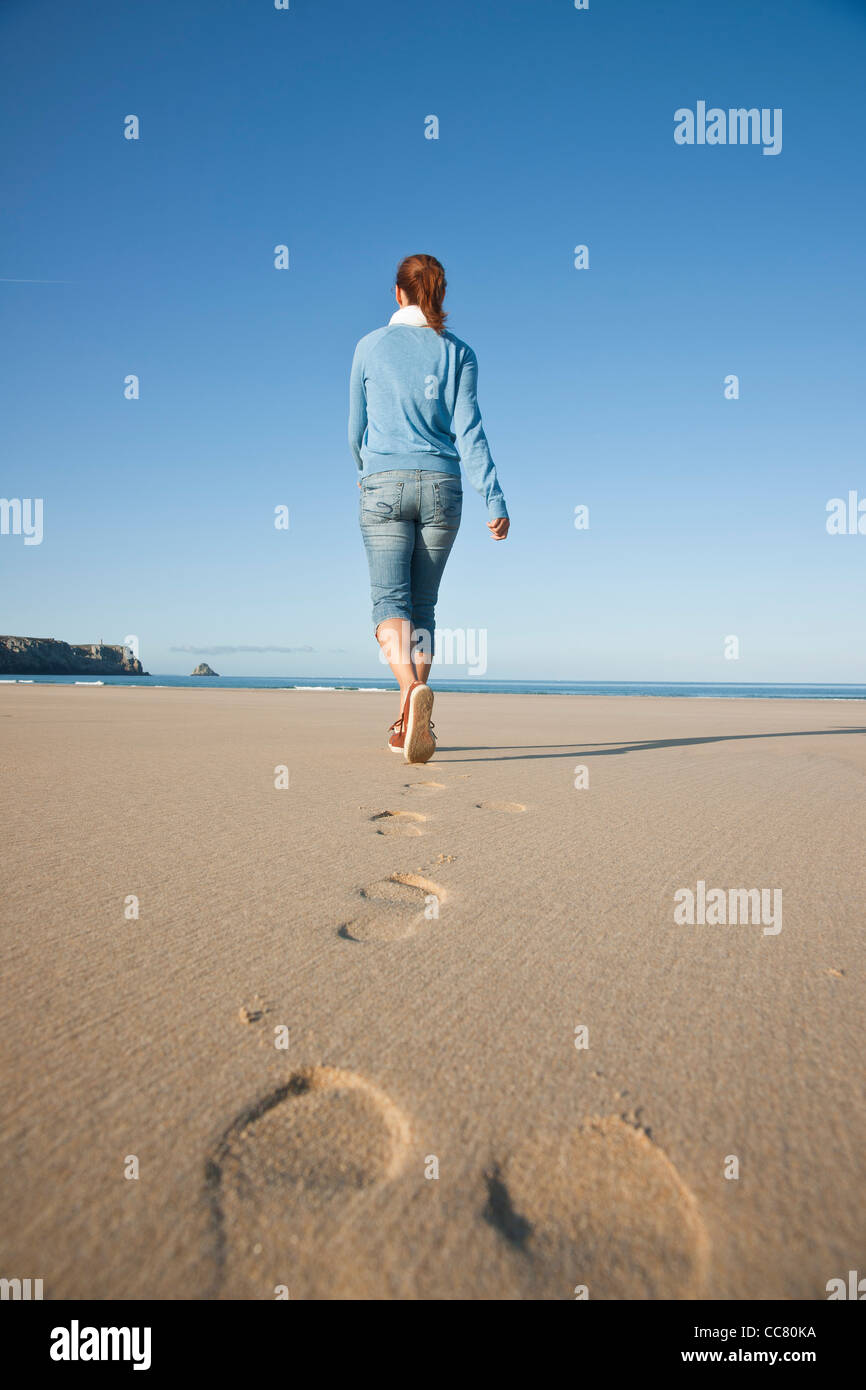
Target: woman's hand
<point x="499" y="527"/>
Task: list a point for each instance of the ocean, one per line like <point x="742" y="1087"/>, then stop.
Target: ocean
<point x="694" y="690"/>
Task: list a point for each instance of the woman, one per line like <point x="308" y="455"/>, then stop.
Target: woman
<point x="413" y="418"/>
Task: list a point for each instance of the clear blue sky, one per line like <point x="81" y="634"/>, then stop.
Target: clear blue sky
<point x="601" y="387"/>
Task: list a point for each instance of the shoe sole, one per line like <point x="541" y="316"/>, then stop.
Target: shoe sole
<point x="419" y="744"/>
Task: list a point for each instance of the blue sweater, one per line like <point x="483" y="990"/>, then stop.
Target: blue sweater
<point x="412" y="404"/>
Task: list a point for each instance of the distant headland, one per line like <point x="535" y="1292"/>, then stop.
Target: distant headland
<point x="45" y="656"/>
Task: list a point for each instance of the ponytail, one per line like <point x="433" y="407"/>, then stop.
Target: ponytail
<point x="422" y="278"/>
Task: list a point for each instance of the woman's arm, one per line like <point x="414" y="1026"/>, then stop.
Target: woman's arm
<point x="472" y="442"/>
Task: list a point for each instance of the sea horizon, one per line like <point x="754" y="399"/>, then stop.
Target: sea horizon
<point x="748" y="690"/>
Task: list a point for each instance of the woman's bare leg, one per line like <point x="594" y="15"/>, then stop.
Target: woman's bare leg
<point x="421" y="653"/>
<point x="394" y="636"/>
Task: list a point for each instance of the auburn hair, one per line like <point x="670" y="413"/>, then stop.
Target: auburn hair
<point x="422" y="279"/>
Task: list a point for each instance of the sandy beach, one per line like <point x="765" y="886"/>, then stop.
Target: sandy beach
<point x="332" y="1025"/>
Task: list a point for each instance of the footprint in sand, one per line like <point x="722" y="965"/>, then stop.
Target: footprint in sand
<point x="398" y="906"/>
<point x="398" y="822"/>
<point x="286" y="1179"/>
<point x="425" y="786"/>
<point x="513" y="806"/>
<point x="602" y="1207"/>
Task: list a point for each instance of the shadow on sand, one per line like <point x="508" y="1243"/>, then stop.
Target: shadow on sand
<point x="521" y="752"/>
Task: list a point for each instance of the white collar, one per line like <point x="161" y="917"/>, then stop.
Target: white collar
<point x="409" y="314"/>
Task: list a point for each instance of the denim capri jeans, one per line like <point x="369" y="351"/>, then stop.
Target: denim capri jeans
<point x="409" y="522"/>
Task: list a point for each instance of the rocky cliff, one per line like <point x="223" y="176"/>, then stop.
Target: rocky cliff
<point x="204" y="670"/>
<point x="45" y="656"/>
